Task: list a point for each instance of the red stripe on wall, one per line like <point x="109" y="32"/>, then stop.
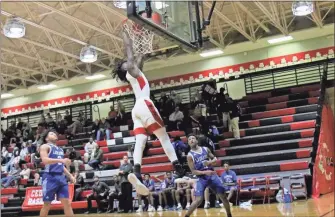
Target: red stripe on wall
<point x="303" y="153"/>
<point x="168" y="80"/>
<point x="293" y="166"/>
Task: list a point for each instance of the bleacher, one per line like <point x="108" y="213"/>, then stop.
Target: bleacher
<point x="276" y="127"/>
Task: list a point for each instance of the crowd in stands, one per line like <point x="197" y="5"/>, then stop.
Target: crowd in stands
<point x="25" y="142"/>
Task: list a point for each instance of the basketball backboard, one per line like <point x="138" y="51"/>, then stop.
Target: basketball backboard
<point x="177" y="21"/>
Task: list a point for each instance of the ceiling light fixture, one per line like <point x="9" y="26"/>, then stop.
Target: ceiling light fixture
<point x="302" y="8"/>
<point x="6" y="95"/>
<point x="88" y="54"/>
<point x="209" y="53"/>
<point x="160" y="5"/>
<point x="14" y="28"/>
<point x="94" y="77"/>
<point x="120" y="4"/>
<point x="47" y="86"/>
<point x="281" y="39"/>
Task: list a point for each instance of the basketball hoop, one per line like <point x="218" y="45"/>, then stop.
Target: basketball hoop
<point x="142" y="38"/>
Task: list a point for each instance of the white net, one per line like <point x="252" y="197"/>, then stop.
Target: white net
<point x="142" y="38"/>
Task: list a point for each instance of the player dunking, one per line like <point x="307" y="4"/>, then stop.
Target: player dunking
<point x="145" y="115"/>
<point x="201" y="162"/>
<point x="53" y="181"/>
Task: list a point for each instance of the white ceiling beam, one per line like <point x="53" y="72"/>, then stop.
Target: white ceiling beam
<point x="230" y="22"/>
<point x="42" y="60"/>
<point x="59" y="34"/>
<point x="59" y="51"/>
<point x="247" y="11"/>
<point x="62" y="9"/>
<point x="19" y="67"/>
<point x="271" y="17"/>
<point x="79" y="21"/>
<point x="316" y="15"/>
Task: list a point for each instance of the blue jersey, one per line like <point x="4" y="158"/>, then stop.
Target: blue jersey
<point x="55" y="153"/>
<point x="150" y="184"/>
<point x="199" y="158"/>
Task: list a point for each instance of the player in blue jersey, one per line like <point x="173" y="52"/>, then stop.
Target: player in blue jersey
<point x="54" y="181"/>
<point x="201" y="162"/>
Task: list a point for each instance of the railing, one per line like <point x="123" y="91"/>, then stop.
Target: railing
<point x="254" y="82"/>
<point x="319" y="110"/>
<point x="289" y="76"/>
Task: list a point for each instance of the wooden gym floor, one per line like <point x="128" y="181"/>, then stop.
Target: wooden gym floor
<point x="321" y="207"/>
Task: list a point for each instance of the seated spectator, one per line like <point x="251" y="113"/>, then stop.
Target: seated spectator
<point x="75" y="127"/>
<point x="120" y="114"/>
<point x="24" y="152"/>
<point x="75" y="158"/>
<point x="180" y="148"/>
<point x="68" y="117"/>
<point x="25" y="173"/>
<point x="234" y="112"/>
<point x="19" y="124"/>
<point x="229" y="181"/>
<point x="27" y="132"/>
<point x="89" y="149"/>
<point x="41" y="133"/>
<point x="78" y="187"/>
<point x="130" y="153"/>
<point x="105" y="129"/>
<point x="36" y="157"/>
<point x="42" y="119"/>
<point x="49" y="119"/>
<point x="59" y="118"/>
<point x="168" y="187"/>
<point x="62" y="126"/>
<point x="15" y="159"/>
<point x="96" y="158"/>
<point x="175" y="119"/>
<point x="126" y="188"/>
<point x="150" y="184"/>
<point x="37" y="179"/>
<point x="115" y="195"/>
<point x="112" y="116"/>
<point x="183" y="189"/>
<point x="177" y="99"/>
<point x="95" y="129"/>
<point x="14" y="175"/>
<point x="99" y="192"/>
<point x="4" y="155"/>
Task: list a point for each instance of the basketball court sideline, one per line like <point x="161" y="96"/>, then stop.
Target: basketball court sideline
<point x="321" y="207"/>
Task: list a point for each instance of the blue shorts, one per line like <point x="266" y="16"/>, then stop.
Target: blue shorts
<point x="54" y="185"/>
<point x="213" y="181"/>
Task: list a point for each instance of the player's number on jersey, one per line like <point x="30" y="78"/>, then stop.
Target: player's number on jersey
<point x="60" y="157"/>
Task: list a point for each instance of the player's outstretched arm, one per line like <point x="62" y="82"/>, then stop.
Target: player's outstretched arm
<point x="211" y="156"/>
<point x="139" y="60"/>
<point x="68" y="174"/>
<point x="44" y="152"/>
<point x="131" y="64"/>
